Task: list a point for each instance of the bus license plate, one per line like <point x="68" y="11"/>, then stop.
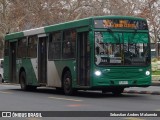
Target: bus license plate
<point x="123" y="82"/>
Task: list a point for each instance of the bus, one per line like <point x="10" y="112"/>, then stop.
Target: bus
<point x="106" y="53"/>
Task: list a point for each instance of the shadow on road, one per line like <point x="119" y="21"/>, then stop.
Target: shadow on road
<point x="81" y="93"/>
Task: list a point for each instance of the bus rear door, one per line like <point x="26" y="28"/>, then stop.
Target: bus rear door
<point x="42" y="59"/>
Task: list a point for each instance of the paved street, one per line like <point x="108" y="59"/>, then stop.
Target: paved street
<point x="13" y="99"/>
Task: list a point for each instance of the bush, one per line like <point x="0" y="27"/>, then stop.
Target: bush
<point x="154" y="59"/>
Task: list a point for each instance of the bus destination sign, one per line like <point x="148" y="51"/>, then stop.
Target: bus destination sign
<point x="119" y="23"/>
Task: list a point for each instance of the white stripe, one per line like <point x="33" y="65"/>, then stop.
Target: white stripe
<point x="34" y="31"/>
<point x="6" y="92"/>
<point x="75" y="100"/>
<point x="53" y="76"/>
<point x="42" y="35"/>
<point x="35" y="66"/>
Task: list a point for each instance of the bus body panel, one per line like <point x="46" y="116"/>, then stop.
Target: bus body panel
<point x="54" y="78"/>
<point x="122" y="77"/>
<point x="55" y="70"/>
<point x="29" y="67"/>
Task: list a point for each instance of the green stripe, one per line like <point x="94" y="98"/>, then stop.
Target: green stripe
<point x="119" y="17"/>
<point x="67" y="25"/>
<point x="14" y="36"/>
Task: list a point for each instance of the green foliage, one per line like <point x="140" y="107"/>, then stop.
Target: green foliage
<point x="157" y="72"/>
<point x="154" y="59"/>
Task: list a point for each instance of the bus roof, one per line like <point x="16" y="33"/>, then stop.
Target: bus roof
<point x="65" y="25"/>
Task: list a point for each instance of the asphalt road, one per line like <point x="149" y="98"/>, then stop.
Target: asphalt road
<point x="14" y="99"/>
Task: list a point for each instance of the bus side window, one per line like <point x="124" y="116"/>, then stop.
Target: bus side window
<point x="54" y="51"/>
<point x="32" y="47"/>
<point x="22" y="48"/>
<point x="69" y="44"/>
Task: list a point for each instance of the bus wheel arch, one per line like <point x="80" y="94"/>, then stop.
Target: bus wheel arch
<point x="23" y="81"/>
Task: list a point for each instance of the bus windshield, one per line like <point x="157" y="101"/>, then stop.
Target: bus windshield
<point x="122" y="48"/>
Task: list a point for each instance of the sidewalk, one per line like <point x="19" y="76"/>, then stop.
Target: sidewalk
<point x="154" y="89"/>
<point x="155" y="80"/>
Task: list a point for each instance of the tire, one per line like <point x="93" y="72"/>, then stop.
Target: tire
<point x="67" y="83"/>
<point x="32" y="88"/>
<point x="23" y="81"/>
<point x="1" y="79"/>
<point x="118" y="91"/>
<point x="104" y="91"/>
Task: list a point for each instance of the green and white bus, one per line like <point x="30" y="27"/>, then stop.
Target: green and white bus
<point x="107" y="53"/>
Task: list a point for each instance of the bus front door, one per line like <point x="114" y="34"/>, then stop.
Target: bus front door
<point x="42" y="60"/>
<point x="83" y="59"/>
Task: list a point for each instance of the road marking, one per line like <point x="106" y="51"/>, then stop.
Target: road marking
<point x="33" y="119"/>
<point x="75" y="100"/>
<point x="5" y="92"/>
<point x="76" y="105"/>
<point x="133" y="118"/>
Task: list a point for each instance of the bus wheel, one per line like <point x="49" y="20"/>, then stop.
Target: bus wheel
<point x="104" y="91"/>
<point x="23" y="80"/>
<point x="67" y="83"/>
<point x="1" y="79"/>
<point x="32" y="88"/>
<point x="118" y="91"/>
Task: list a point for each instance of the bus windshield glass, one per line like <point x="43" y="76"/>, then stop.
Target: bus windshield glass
<point x="122" y="48"/>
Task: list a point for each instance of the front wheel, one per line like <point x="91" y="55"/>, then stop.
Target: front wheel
<point x="67" y="83"/>
<point x="1" y="78"/>
<point x="118" y="91"/>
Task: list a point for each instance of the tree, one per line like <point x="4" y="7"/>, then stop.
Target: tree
<point x="18" y="15"/>
<point x="151" y="11"/>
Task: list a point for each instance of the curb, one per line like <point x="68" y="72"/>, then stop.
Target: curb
<point x="155" y="83"/>
<point x="142" y="92"/>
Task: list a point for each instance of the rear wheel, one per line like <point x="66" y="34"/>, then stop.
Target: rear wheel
<point x="67" y="83"/>
<point x="23" y="81"/>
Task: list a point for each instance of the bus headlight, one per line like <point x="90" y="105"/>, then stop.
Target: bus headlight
<point x="147" y="73"/>
<point x="98" y="73"/>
